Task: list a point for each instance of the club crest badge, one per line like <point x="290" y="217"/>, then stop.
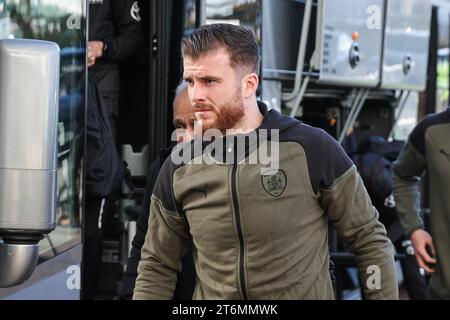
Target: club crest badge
<point x="274" y="182"/>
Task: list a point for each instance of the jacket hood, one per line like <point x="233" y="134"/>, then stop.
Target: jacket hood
<point x="274" y="119"/>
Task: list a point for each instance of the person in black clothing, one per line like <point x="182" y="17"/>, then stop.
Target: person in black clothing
<point x="115" y="35"/>
<point x="183" y="121"/>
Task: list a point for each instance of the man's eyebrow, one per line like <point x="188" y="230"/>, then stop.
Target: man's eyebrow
<point x="202" y="78"/>
<point x="210" y="78"/>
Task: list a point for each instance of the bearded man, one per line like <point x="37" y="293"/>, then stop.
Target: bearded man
<point x="256" y="234"/>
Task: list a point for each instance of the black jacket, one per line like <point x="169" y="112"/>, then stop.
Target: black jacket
<point x="117" y="24"/>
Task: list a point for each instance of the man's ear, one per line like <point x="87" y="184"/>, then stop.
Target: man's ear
<point x="249" y="85"/>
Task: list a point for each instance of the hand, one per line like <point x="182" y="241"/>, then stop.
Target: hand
<point x="423" y="246"/>
<point x="95" y="50"/>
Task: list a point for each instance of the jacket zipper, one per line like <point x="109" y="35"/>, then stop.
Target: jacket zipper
<point x="239" y="231"/>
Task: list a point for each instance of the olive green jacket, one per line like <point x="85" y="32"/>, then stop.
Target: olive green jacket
<point x="428" y="150"/>
<point x="263" y="235"/>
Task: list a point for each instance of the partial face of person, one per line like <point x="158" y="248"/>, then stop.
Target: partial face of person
<point x="183" y="118"/>
<point x="215" y="90"/>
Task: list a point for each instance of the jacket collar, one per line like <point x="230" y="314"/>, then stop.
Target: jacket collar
<point x="274" y="119"/>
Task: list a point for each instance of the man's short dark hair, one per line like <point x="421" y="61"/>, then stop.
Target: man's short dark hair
<point x="240" y="43"/>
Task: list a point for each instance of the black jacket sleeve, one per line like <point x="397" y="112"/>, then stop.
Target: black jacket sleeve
<point x="129" y="37"/>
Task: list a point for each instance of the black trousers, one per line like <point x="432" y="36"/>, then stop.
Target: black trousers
<point x="92" y="248"/>
<point x="414" y="282"/>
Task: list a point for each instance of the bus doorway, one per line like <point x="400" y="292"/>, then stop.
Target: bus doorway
<point x="147" y="86"/>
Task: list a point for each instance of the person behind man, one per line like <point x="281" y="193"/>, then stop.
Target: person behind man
<point x="115" y="35"/>
<point x="183" y="122"/>
<point x="256" y="234"/>
<point x="427" y="150"/>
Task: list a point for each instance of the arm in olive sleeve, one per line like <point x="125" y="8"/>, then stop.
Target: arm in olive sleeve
<point x="349" y="207"/>
<point x="408" y="169"/>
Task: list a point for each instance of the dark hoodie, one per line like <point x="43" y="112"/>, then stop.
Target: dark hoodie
<point x="118" y="25"/>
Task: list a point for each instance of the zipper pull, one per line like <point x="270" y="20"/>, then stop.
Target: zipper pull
<point x="230" y="146"/>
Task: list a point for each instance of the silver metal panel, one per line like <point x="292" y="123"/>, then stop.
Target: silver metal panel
<point x="27" y="199"/>
<point x="29" y="81"/>
<point x="137" y="161"/>
<point x="17" y="262"/>
<point x="406" y="42"/>
<point x="336" y="22"/>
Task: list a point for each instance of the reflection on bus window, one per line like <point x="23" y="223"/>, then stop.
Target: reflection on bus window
<point x="246" y="13"/>
<point x="190" y="15"/>
<point x="442" y="82"/>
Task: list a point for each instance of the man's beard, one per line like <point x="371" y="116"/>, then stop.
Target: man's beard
<point x="227" y="115"/>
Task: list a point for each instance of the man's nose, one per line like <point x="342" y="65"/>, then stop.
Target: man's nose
<point x="197" y="93"/>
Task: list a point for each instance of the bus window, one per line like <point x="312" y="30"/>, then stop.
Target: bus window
<point x="244" y="13"/>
